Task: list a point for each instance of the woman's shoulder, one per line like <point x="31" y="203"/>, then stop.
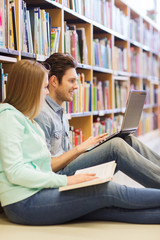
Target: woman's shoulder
<point x="8" y="109"/>
<point x="8" y="113"/>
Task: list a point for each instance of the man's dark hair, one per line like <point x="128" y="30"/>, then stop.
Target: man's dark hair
<point x="58" y="64"/>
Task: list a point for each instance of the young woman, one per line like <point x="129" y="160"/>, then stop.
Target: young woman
<point x="28" y="186"/>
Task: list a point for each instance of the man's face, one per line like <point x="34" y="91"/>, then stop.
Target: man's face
<point x="64" y="91"/>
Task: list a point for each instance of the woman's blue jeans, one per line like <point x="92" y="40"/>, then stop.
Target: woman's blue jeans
<point x="108" y="201"/>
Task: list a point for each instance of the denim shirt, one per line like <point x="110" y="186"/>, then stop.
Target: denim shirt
<point x="55" y="126"/>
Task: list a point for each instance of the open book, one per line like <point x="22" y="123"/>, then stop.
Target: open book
<point x="104" y="172"/>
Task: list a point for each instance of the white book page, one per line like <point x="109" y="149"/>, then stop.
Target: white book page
<point x="102" y="171"/>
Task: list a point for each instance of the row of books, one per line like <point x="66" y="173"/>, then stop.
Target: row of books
<point x="154" y="95"/>
<point x="120" y="22"/>
<point x="38" y="36"/>
<point x="79" y="6"/>
<point x="102" y="12"/>
<point x="3" y="82"/>
<point x="97" y="10"/>
<point x="151" y="38"/>
<point x="75" y="43"/>
<point x="155" y="41"/>
<point x="135" y="29"/>
<point x="154" y="66"/>
<point x="120" y="59"/>
<point x="8" y="30"/>
<point x="149" y="122"/>
<point x="101" y="95"/>
<point x="134" y="61"/>
<point x="147" y="89"/>
<point x="102" y="56"/>
<point x="76" y="136"/>
<point x="146" y="64"/>
<point x="120" y="93"/>
<point x="107" y="124"/>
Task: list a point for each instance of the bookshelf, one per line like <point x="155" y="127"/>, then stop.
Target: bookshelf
<point x="119" y="49"/>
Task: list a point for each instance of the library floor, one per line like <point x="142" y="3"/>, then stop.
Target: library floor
<point x="87" y="230"/>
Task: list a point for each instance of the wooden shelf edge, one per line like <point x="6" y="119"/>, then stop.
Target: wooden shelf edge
<point x="8" y="59"/>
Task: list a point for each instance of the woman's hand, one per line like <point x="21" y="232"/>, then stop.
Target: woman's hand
<point x="91" y="141"/>
<point x="79" y="178"/>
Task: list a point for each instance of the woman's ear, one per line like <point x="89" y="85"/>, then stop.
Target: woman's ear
<point x="53" y="81"/>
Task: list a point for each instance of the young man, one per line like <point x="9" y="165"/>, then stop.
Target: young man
<point x="132" y="157"/>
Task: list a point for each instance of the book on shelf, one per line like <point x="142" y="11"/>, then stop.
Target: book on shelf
<point x="39" y="31"/>
<point x="14" y="24"/>
<point x="107" y="124"/>
<point x="120" y="21"/>
<point x="76" y="136"/>
<point x="55" y="36"/>
<point x="135" y="29"/>
<point x="75" y="43"/>
<point x="82" y="45"/>
<point x="135" y="60"/>
<point x="104" y="173"/>
<point x="102" y="52"/>
<point x="101" y="96"/>
<point x="2" y="24"/>
<point x="120" y="94"/>
<point x="120" y="60"/>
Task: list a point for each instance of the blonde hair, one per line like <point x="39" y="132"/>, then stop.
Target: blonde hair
<point x="24" y="84"/>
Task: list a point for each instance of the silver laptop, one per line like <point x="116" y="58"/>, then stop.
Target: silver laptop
<point x="131" y="118"/>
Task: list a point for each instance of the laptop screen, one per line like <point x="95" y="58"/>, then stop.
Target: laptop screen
<point x="134" y="109"/>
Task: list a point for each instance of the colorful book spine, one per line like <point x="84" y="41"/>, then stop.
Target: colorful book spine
<point x="120" y="94"/>
<point x="120" y="57"/>
<point x="101" y="96"/>
<point x="102" y="53"/>
<point x="76" y="136"/>
<point x="135" y="30"/>
<point x="106" y="124"/>
<point x="55" y="36"/>
<point x="134" y="61"/>
<point x="120" y="21"/>
<point x="75" y="43"/>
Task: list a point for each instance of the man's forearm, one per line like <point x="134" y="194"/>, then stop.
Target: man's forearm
<point x="63" y="160"/>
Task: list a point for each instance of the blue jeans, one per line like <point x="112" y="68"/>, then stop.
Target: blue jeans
<point x="107" y="202"/>
<point x="132" y="157"/>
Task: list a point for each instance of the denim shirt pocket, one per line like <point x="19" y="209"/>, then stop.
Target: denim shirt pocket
<point x="56" y="142"/>
<point x="67" y="138"/>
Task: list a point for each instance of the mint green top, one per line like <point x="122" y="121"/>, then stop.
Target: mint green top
<point x="25" y="162"/>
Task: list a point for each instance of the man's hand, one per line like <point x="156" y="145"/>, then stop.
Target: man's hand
<point x="79" y="178"/>
<point x="91" y="141"/>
